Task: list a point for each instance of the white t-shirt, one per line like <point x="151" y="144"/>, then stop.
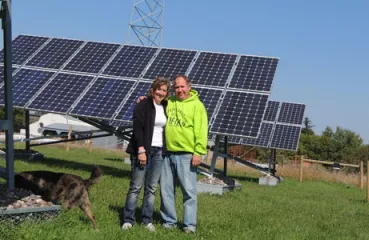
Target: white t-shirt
<point x="160" y="121"/>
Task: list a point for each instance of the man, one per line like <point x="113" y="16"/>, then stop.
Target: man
<point x="186" y="134"/>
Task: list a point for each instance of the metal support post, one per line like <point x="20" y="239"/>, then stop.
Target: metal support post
<point x="226" y="153"/>
<point x="272" y="162"/>
<point x="9" y="144"/>
<point x="215" y="154"/>
<point x="28" y="143"/>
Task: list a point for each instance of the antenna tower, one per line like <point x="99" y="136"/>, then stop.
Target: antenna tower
<point x="146" y="23"/>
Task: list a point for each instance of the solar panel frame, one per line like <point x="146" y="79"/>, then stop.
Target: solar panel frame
<point x="123" y="65"/>
<point x="92" y="57"/>
<point x="271" y="112"/>
<point x="286" y="137"/>
<point x="231" y="139"/>
<point x="26" y="83"/>
<point x="247" y="78"/>
<point x="59" y="98"/>
<point x="292" y="113"/>
<point x="208" y="96"/>
<point x="104" y="107"/>
<point x="254" y="114"/>
<point x="161" y="66"/>
<point x="263" y="138"/>
<point x="23" y="47"/>
<point x="215" y="74"/>
<point x="125" y="113"/>
<point x="64" y="50"/>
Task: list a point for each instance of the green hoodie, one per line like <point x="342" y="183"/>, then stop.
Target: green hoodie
<point x="187" y="126"/>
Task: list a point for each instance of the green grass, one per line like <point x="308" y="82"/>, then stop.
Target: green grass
<point x="291" y="210"/>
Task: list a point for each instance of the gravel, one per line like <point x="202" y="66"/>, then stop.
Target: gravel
<point x="20" y="198"/>
<point x="213" y="181"/>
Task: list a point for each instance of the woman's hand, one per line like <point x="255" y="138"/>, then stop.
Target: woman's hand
<point x="142" y="159"/>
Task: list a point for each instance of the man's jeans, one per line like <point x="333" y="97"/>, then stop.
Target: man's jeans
<point x="178" y="165"/>
<point x="150" y="175"/>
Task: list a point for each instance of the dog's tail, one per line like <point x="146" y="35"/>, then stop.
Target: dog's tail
<point x="95" y="176"/>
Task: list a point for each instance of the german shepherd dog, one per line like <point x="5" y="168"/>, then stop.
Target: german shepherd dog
<point x="69" y="189"/>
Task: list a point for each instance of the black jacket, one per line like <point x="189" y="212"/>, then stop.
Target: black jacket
<point x="143" y="126"/>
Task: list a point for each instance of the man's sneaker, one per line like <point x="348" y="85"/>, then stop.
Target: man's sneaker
<point x="188" y="231"/>
<point x="126" y="226"/>
<point x="169" y="226"/>
<point x="151" y="227"/>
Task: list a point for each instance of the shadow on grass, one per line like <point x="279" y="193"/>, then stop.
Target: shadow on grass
<point x="114" y="159"/>
<point x="62" y="163"/>
<point x="245" y="178"/>
<point x="138" y="214"/>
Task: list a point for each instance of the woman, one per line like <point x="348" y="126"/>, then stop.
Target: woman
<point x="146" y="147"/>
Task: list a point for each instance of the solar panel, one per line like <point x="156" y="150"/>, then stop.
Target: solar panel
<point x="170" y="63"/>
<point x="92" y="57"/>
<point x="231" y="139"/>
<point x="291" y="113"/>
<point x="23" y="47"/>
<point x="60" y="93"/>
<point x="254" y="73"/>
<point x="103" y="98"/>
<point x="210" y="98"/>
<point x="212" y="69"/>
<point x="126" y="112"/>
<point x="232" y="110"/>
<point x="271" y="111"/>
<point x="286" y="137"/>
<point x="55" y="53"/>
<point x="263" y="138"/>
<point x="130" y="61"/>
<point x="120" y="124"/>
<point x="26" y="83"/>
<point x="240" y="114"/>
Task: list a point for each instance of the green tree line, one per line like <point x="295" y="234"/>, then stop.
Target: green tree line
<point x="339" y="145"/>
<point x="18" y="117"/>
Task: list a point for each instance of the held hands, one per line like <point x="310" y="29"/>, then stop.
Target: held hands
<point x="196" y="160"/>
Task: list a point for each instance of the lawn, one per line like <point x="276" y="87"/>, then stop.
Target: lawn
<point x="291" y="210"/>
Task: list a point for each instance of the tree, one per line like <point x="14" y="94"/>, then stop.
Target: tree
<point x="308" y="127"/>
<point x="18" y="118"/>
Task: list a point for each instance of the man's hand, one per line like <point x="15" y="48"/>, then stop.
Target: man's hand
<point x="196" y="160"/>
<point x="140" y="99"/>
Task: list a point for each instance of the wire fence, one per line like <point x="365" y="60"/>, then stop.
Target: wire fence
<point x="17" y="216"/>
<point x="17" y="206"/>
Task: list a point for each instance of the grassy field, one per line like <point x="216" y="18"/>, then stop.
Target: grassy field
<point x="291" y="210"/>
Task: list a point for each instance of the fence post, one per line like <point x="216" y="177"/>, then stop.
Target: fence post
<point x="367" y="182"/>
<point x="69" y="137"/>
<point x="90" y="141"/>
<point x="361" y="174"/>
<point x="301" y="166"/>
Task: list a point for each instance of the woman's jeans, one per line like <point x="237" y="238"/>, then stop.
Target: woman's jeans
<point x="148" y="176"/>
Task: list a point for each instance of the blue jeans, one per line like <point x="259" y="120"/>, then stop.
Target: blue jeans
<point x="148" y="175"/>
<point x="178" y="166"/>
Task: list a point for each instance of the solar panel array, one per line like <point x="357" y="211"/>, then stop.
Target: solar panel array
<point x="103" y="80"/>
<point x="277" y="131"/>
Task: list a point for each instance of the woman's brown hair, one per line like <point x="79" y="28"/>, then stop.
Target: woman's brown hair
<point x="158" y="82"/>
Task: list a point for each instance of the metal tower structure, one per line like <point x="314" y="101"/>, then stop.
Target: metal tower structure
<point x="146" y="25"/>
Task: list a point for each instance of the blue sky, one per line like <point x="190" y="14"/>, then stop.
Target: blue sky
<point x="323" y="46"/>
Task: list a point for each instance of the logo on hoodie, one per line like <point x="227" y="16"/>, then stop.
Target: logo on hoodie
<point x="176" y="117"/>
